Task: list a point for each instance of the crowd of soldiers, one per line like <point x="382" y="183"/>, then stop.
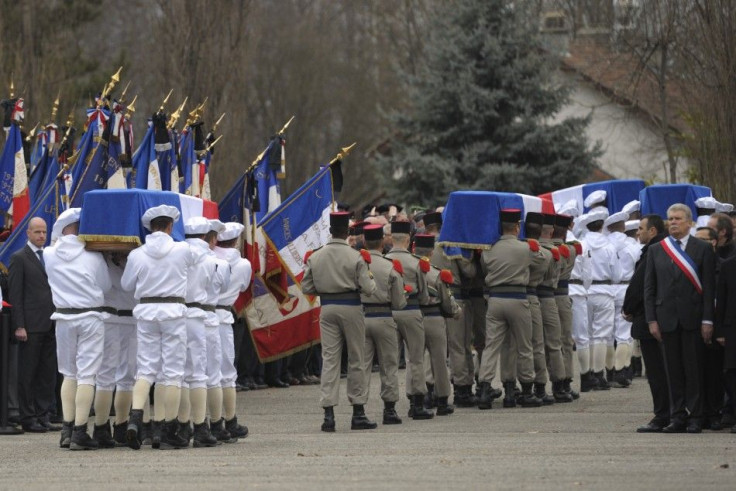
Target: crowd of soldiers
<point x="159" y="316"/>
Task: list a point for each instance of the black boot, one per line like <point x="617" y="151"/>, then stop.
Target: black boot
<point x="328" y="425"/>
<point x="509" y="399"/>
<point x="621" y="380"/>
<point x="559" y="392"/>
<point x="185" y="431"/>
<point x="235" y="429"/>
<point x="81" y="439"/>
<point x="203" y="437"/>
<point x="410" y="413"/>
<point x="103" y="436"/>
<point x="528" y="399"/>
<point x="66" y="434"/>
<point x="540" y="392"/>
<point x="419" y="411"/>
<point x="443" y="408"/>
<point x="170" y="438"/>
<point x="568" y="388"/>
<point x="146" y="435"/>
<point x="218" y="430"/>
<point x="118" y="434"/>
<point x="485" y="401"/>
<point x="360" y="421"/>
<point x="429" y="399"/>
<point x="157" y="427"/>
<point x="588" y="382"/>
<point x="602" y="382"/>
<point x="496" y="393"/>
<point x="389" y="414"/>
<point x="464" y="396"/>
<point x="132" y="433"/>
<point x="610" y="374"/>
<point x="636" y="366"/>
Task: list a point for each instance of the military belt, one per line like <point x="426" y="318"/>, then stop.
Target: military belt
<point x="201" y="306"/>
<point x="562" y="292"/>
<point x="352" y="295"/>
<point x="430" y="310"/>
<point x="545" y="291"/>
<point x="512" y="295"/>
<point x="575" y="282"/>
<point x="507" y="289"/>
<point x="562" y="283"/>
<point x="74" y="310"/>
<point x="125" y="313"/>
<point x="223" y="307"/>
<point x="601" y="282"/>
<point x="530" y="290"/>
<point x="369" y="309"/>
<point x="162" y="300"/>
<point x="621" y="283"/>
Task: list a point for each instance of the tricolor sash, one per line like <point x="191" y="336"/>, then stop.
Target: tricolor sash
<point x="683" y="261"/>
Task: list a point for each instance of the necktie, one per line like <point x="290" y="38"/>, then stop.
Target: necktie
<point x="679" y="243"/>
<point x="40" y="257"/>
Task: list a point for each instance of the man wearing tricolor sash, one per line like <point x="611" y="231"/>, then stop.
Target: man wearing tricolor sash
<point x="678" y="298"/>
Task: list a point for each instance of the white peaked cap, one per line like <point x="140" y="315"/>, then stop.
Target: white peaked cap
<point x="232" y="231"/>
<point x="706" y="202"/>
<point x="216" y="225"/>
<point x="595" y="197"/>
<point x="632" y="225"/>
<point x="159" y="211"/>
<point x="621" y="216"/>
<point x="596" y="214"/>
<point x="632" y="206"/>
<point x="196" y="226"/>
<point x="569" y="208"/>
<point x="67" y="217"/>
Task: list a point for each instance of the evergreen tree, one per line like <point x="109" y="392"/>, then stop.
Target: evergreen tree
<point x="482" y="111"/>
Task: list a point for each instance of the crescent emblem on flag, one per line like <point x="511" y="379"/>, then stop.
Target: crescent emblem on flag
<point x="316" y="193"/>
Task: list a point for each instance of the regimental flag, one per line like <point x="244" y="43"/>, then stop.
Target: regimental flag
<point x="266" y="176"/>
<point x="40" y="170"/>
<point x="204" y="176"/>
<point x="232" y="204"/>
<point x="145" y="173"/>
<point x="188" y="161"/>
<point x="281" y="318"/>
<point x="14" y="179"/>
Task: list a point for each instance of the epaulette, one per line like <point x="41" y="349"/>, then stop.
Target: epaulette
<point x="564" y="251"/>
<point x="446" y="276"/>
<point x="424" y="265"/>
<point x="366" y="256"/>
<point x="533" y="245"/>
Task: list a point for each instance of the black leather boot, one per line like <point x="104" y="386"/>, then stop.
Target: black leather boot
<point x="360" y="421"/>
<point x="568" y="388"/>
<point x="203" y="437"/>
<point x="118" y="434"/>
<point x="132" y="434"/>
<point x="410" y="413"/>
<point x="389" y="414"/>
<point x="429" y="398"/>
<point x="528" y="399"/>
<point x="443" y="408"/>
<point x="602" y="382"/>
<point x="185" y="430"/>
<point x="81" y="439"/>
<point x="66" y="434"/>
<point x="636" y="366"/>
<point x="540" y="392"/>
<point x="328" y="425"/>
<point x="103" y="436"/>
<point x="170" y="437"/>
<point x="419" y="411"/>
<point x="485" y="401"/>
<point x="621" y="379"/>
<point x="509" y="399"/>
<point x="218" y="430"/>
<point x="588" y="382"/>
<point x="157" y="427"/>
<point x="235" y="429"/>
<point x="559" y="392"/>
<point x="464" y="396"/>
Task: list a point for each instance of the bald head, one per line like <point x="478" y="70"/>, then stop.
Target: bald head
<point x="36" y="231"/>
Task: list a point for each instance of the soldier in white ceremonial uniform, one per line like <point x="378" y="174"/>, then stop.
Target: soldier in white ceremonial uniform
<point x="78" y="280"/>
<point x="241" y="274"/>
<point x="340" y="276"/>
<point x="601" y="294"/>
<point x="628" y="254"/>
<point x="193" y="404"/>
<point x="381" y="334"/>
<point x="157" y="273"/>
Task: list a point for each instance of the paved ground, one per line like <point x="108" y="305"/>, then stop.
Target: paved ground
<point x="589" y="444"/>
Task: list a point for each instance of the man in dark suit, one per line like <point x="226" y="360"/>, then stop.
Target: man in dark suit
<point x="651" y="231"/>
<point x="679" y="289"/>
<point x="30" y="297"/>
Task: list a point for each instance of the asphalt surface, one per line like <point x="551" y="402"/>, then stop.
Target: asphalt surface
<point x="588" y="444"/>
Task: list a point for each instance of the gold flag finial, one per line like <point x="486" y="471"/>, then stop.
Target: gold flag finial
<point x="116" y="78"/>
<point x="283" y="130"/>
<point x="213" y="143"/>
<point x="70" y="119"/>
<point x="176" y="114"/>
<point x="214" y="126"/>
<point x="55" y="109"/>
<point x="125" y="91"/>
<point x="344" y="152"/>
<point x="130" y="109"/>
<point x="12" y="87"/>
<point x="31" y="133"/>
<point x="166" y="99"/>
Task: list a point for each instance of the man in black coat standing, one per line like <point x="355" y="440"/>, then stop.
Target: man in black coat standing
<point x="679" y="290"/>
<point x="651" y="231"/>
<point x="725" y="322"/>
<point x="32" y="306"/>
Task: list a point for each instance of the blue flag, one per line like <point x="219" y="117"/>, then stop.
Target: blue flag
<point x="232" y="205"/>
<point x="188" y="159"/>
<point x="269" y="190"/>
<point x="145" y="173"/>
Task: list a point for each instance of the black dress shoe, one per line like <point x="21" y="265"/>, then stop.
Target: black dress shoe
<point x="675" y="427"/>
<point x="49" y="426"/>
<point x="279" y="384"/>
<point x="694" y="427"/>
<point x="35" y="427"/>
<point x="651" y="427"/>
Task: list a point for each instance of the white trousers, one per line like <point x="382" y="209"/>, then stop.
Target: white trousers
<point x="79" y="347"/>
<point x="601" y="313"/>
<point x="110" y="357"/>
<point x="229" y="374"/>
<point x="622" y="327"/>
<point x="127" y="364"/>
<point x="580" y="333"/>
<point x="162" y="351"/>
<point x="195" y="368"/>
<point x="214" y="356"/>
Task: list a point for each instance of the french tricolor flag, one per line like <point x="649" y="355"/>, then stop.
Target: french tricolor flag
<point x="14" y="197"/>
<point x="618" y="191"/>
